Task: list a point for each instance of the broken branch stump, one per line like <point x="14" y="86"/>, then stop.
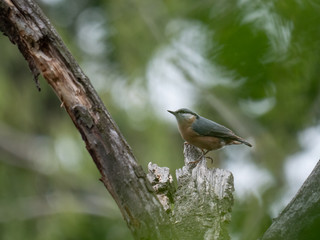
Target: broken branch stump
<point x="202" y="201"/>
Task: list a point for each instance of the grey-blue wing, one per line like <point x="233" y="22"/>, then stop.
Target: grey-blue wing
<point x="207" y="127"/>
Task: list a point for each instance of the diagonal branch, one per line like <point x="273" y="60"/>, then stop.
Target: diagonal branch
<point x="27" y="27"/>
<point x="301" y="217"/>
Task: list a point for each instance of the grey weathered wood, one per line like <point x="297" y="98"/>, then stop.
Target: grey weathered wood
<point x="203" y="199"/>
<point x="162" y="182"/>
<point x="27" y="27"/>
<point x="301" y="218"/>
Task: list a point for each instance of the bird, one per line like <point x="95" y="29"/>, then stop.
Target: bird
<point x="204" y="133"/>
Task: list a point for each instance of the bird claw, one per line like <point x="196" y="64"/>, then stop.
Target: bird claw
<point x="199" y="159"/>
<point x="192" y="162"/>
<point x="210" y="159"/>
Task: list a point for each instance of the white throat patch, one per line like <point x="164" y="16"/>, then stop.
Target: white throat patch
<point x="187" y="116"/>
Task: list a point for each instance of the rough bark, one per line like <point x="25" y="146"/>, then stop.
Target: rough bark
<point x="203" y="198"/>
<point x="199" y="208"/>
<point x="27" y="27"/>
<point x="301" y="218"/>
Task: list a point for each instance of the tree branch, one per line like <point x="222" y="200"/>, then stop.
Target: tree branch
<point x="27" y="27"/>
<point x="301" y="218"/>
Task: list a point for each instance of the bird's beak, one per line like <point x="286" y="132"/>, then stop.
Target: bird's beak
<point x="171" y="112"/>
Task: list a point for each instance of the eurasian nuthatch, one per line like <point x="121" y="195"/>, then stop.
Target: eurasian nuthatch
<point x="204" y="133"/>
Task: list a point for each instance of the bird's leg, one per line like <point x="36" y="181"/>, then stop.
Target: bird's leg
<point x="199" y="158"/>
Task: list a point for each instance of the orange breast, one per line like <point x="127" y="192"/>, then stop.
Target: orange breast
<point x="207" y="143"/>
<point x="203" y="142"/>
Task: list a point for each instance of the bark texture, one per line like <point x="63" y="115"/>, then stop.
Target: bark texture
<point x="301" y="218"/>
<point x="202" y="201"/>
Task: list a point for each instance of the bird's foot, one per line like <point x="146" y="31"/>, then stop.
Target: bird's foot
<point x="203" y="155"/>
<point x="210" y="159"/>
<point x="198" y="160"/>
<point x="192" y="162"/>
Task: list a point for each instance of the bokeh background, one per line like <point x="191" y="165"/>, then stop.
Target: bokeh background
<point x="252" y="66"/>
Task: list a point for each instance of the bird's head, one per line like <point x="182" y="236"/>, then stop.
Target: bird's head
<point x="184" y="115"/>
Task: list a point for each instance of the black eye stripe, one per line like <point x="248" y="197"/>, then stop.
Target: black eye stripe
<point x="185" y="111"/>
